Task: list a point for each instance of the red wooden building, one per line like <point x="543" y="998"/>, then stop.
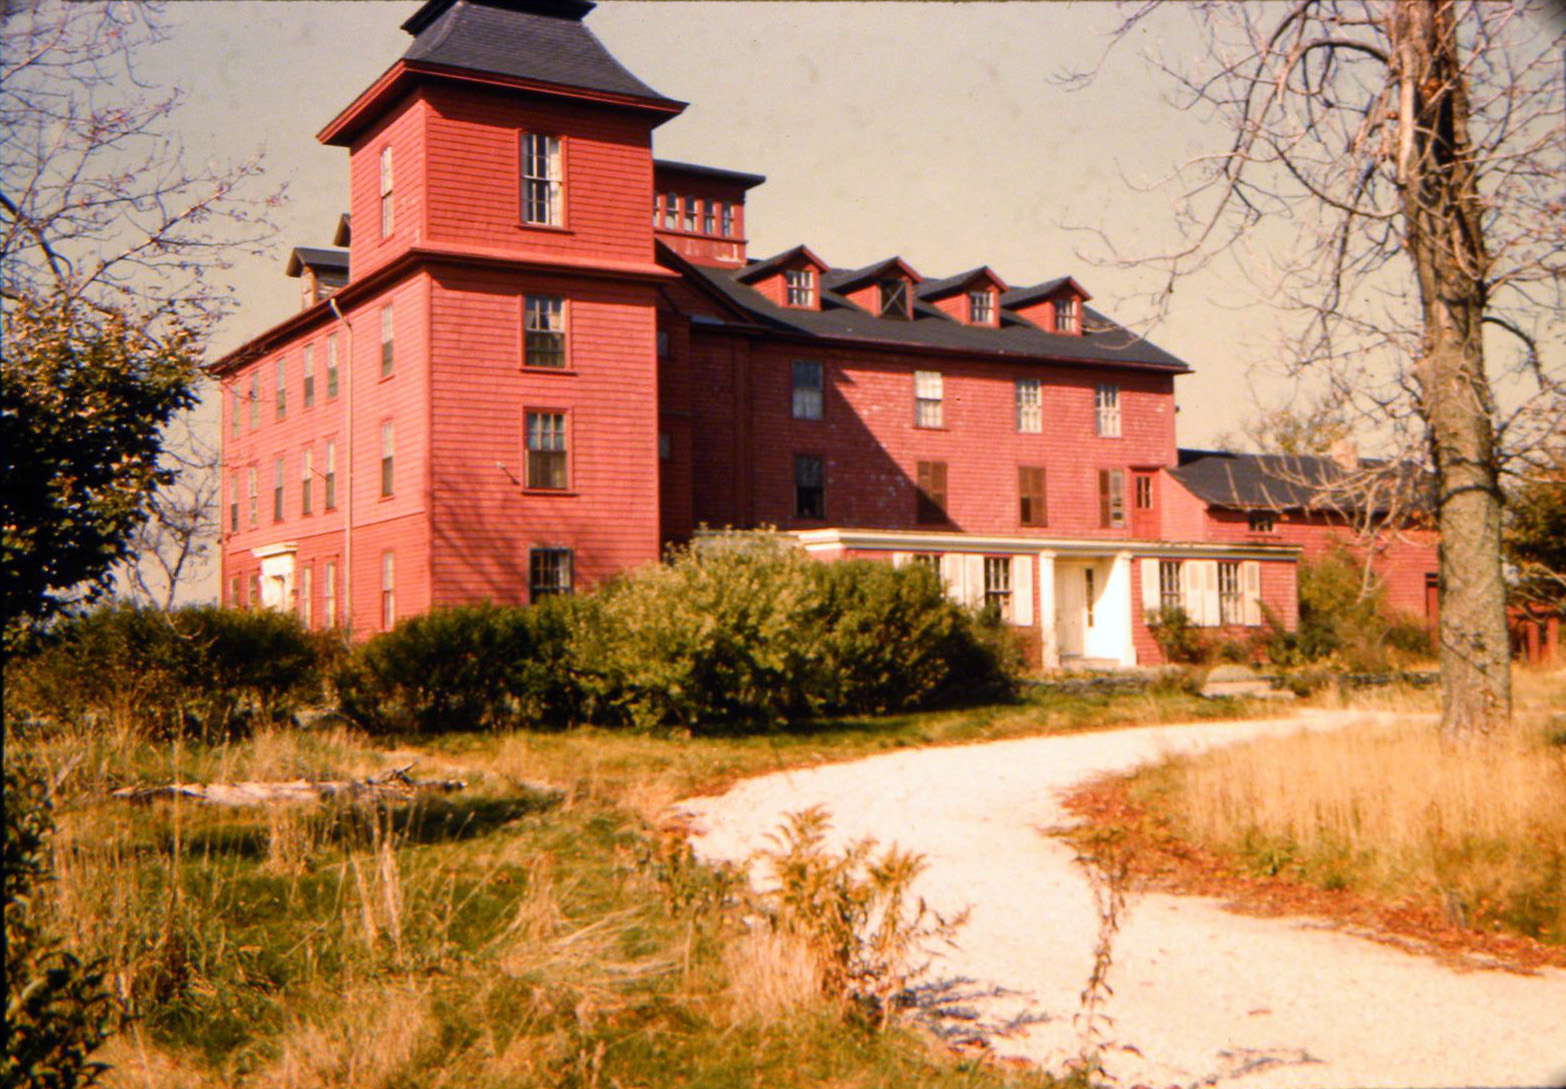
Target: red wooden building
<point x="545" y="355"/>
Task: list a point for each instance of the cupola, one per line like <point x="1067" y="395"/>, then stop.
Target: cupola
<point x="699" y="211"/>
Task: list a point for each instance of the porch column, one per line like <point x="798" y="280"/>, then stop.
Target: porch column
<point x="1118" y="609"/>
<point x="1049" y="647"/>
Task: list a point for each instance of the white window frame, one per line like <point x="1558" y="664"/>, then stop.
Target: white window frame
<point x="800" y="287"/>
<point x="1171" y="586"/>
<point x="1106" y="404"/>
<point x="544" y="332"/>
<point x="981" y="307"/>
<point x="929" y="396"/>
<point x="388" y="590"/>
<point x="1030" y="406"/>
<point x="253" y="494"/>
<point x="329" y="594"/>
<point x="558" y="563"/>
<point x="331" y="366"/>
<point x="329" y="491"/>
<point x="388" y="340"/>
<point x="997" y="584"/>
<point x="1068" y="315"/>
<point x="307" y="482"/>
<point x="309" y="376"/>
<point x="388" y="458"/>
<point x="282" y="388"/>
<point x="388" y="212"/>
<point x="542" y="184"/>
<point x="1231" y="594"/>
<point x="306" y="596"/>
<point x="279" y="486"/>
<point x="547" y="433"/>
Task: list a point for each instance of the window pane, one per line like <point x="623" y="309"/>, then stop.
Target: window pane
<point x="544" y="338"/>
<point x="807" y="390"/>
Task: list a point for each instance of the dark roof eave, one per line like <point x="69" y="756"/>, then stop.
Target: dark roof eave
<point x="747" y="181"/>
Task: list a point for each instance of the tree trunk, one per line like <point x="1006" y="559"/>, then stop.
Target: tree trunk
<point x="1444" y="237"/>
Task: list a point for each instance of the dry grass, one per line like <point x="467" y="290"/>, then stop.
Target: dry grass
<point x="772" y="975"/>
<point x="367" y="1043"/>
<point x="1479" y="827"/>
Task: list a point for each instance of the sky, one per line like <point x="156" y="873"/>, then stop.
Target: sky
<point x="934" y="131"/>
<point x="930" y="131"/>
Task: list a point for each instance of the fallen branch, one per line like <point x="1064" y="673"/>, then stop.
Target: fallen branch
<point x="393" y="785"/>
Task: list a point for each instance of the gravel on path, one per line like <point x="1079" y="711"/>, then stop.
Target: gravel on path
<point x="1202" y="996"/>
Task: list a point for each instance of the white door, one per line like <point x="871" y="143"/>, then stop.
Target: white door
<point x="1070" y="608"/>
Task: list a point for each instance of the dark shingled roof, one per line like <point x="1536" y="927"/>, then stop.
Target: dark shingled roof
<point x="543" y="41"/>
<point x="840" y="319"/>
<point x="840" y="279"/>
<point x="311" y="257"/>
<point x="1019" y="296"/>
<point x="1281" y="482"/>
<point x="946" y="285"/>
<point x="748" y="181"/>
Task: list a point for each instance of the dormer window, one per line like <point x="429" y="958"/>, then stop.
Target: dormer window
<point x="981" y="307"/>
<point x="801" y="284"/>
<point x="541" y="179"/>
<point x="1067" y="315"/>
<point x="894" y="298"/>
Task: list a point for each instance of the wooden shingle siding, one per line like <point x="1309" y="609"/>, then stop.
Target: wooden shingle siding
<point x="403" y="130"/>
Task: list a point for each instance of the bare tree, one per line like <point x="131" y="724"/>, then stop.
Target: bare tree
<point x="181" y="528"/>
<point x="110" y="243"/>
<point x="1396" y="166"/>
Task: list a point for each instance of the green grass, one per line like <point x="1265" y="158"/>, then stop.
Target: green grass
<point x="535" y="929"/>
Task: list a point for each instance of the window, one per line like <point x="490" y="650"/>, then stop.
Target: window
<point x="388" y="590"/>
<point x="1231" y="600"/>
<point x="1107" y="400"/>
<point x="671" y="211"/>
<point x="282" y="388"/>
<point x="1262" y="521"/>
<point x="309" y="375"/>
<point x="1111" y="498"/>
<point x="1144" y="492"/>
<point x="233" y="592"/>
<point x="235" y="411"/>
<point x="255" y="400"/>
<point x="663" y="344"/>
<point x="253" y="496"/>
<point x="665" y="446"/>
<point x="306" y="482"/>
<point x="541" y="186"/>
<point x="277" y="490"/>
<point x="329" y="499"/>
<point x="1089" y="593"/>
<point x="931" y="508"/>
<point x="1030" y="405"/>
<point x="548" y="572"/>
<point x="388" y="342"/>
<point x="1030" y="495"/>
<point x="690" y="214"/>
<point x="709" y="217"/>
<point x="807" y="389"/>
<point x="801" y="284"/>
<point x="386" y="192"/>
<point x="894" y="298"/>
<point x="1171" y="589"/>
<point x="546" y="450"/>
<point x="331" y="366"/>
<point x="728" y="219"/>
<point x="981" y="307"/>
<point x="233" y="503"/>
<point x="544" y="337"/>
<point x="388" y="456"/>
<point x="809" y="486"/>
<point x="254" y="600"/>
<point x="306" y="596"/>
<point x="930" y="560"/>
<point x="997" y="585"/>
<point x="1067" y="319"/>
<point x="928" y="393"/>
<point x="329" y="594"/>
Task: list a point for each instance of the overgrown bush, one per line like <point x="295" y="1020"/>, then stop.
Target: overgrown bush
<point x="474" y="667"/>
<point x="745" y="632"/>
<point x="1344" y="619"/>
<point x="56" y="1008"/>
<point x="1179" y="639"/>
<point x="203" y="671"/>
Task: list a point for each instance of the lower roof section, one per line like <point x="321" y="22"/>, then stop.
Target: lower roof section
<point x="905" y="540"/>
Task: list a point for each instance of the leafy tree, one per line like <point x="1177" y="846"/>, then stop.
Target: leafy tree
<point x="1391" y="172"/>
<point x="108" y="247"/>
<point x="80" y="432"/>
<point x="1536" y="535"/>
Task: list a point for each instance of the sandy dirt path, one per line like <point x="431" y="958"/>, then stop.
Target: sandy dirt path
<point x="1205" y="996"/>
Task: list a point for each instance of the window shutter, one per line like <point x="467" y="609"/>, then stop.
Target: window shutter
<point x="1022" y="591"/>
<point x="1210" y="613"/>
<point x="1149" y="587"/>
<point x="952" y="572"/>
<point x="1103" y="498"/>
<point x="1250" y="588"/>
<point x="973" y="580"/>
<point x="1191" y="577"/>
<point x="900" y="559"/>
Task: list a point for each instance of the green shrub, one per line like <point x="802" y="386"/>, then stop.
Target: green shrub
<point x="1179" y="639"/>
<point x="744" y="632"/>
<point x="475" y="667"/>
<point x="56" y="1008"/>
<point x="202" y="671"/>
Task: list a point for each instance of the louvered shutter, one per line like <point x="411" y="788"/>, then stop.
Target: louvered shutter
<point x="974" y="580"/>
<point x="952" y="572"/>
<point x="1022" y="591"/>
<point x="900" y="559"/>
<point x="1250" y="588"/>
<point x="1150" y="598"/>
